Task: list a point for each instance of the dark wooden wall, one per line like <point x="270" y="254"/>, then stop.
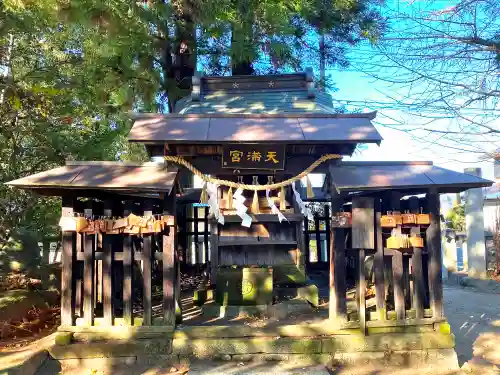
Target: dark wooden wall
<point x="113" y="277"/>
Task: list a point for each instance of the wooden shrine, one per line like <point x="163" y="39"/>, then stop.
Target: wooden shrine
<point x="248" y="139"/>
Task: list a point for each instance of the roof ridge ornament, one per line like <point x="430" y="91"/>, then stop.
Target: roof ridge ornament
<point x="196" y="90"/>
<point x="310" y="86"/>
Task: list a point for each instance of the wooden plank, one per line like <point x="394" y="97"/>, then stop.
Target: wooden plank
<point x="214" y="248"/>
<point x="433" y="241"/>
<point x="128" y="265"/>
<point x="88" y="272"/>
<point x="67" y="259"/>
<point x="205" y="237"/>
<point x="318" y="238"/>
<point x="378" y="265"/>
<point x="418" y="282"/>
<point x="407" y="283"/>
<point x="197" y="254"/>
<point x="168" y="263"/>
<point x="255" y="242"/>
<point x="337" y="281"/>
<point x="78" y="277"/>
<point x="397" y="277"/>
<point x="300" y="260"/>
<point x="264" y="218"/>
<point x="307" y="242"/>
<point x="299" y="233"/>
<point x="117" y="267"/>
<point x="146" y="268"/>
<point x="361" y="291"/>
<point x="363" y="220"/>
<point x="327" y="229"/>
<point x="107" y="269"/>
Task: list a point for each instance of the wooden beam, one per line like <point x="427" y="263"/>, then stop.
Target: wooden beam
<point x="67" y="259"/>
<point x="128" y="267"/>
<point x="107" y="269"/>
<point x="88" y="271"/>
<point x="433" y="236"/>
<point x="337" y="280"/>
<point x="328" y="231"/>
<point x="168" y="263"/>
<point x="397" y="266"/>
<point x="147" y="256"/>
<point x="418" y="278"/>
<point x="78" y="274"/>
<point x="361" y="291"/>
<point x="214" y="249"/>
<point x="397" y="277"/>
<point x="378" y="265"/>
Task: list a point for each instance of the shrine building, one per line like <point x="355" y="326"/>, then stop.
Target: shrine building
<point x="254" y="262"/>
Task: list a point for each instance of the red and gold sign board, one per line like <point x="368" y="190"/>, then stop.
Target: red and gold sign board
<point x="253" y="156"/>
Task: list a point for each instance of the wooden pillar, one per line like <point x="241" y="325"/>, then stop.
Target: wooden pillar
<point x="363" y="238"/>
<point x="107" y="269"/>
<point x="361" y="290"/>
<point x="78" y="275"/>
<point x="168" y="261"/>
<point x="378" y="264"/>
<point x="397" y="266"/>
<point x="147" y="256"/>
<point x="68" y="260"/>
<point x="299" y="235"/>
<point x="89" y="248"/>
<point x="128" y="266"/>
<point x="337" y="280"/>
<point x="328" y="232"/>
<point x="214" y="249"/>
<point x="418" y="279"/>
<point x="433" y="240"/>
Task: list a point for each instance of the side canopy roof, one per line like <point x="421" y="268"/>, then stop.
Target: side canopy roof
<point x="108" y="176"/>
<point x="414" y="176"/>
<point x="275" y="108"/>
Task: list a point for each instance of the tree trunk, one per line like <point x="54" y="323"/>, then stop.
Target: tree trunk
<point x="180" y="60"/>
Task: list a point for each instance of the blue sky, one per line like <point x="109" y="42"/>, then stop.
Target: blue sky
<point x="360" y="91"/>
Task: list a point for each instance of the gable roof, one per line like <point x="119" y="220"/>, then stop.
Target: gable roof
<point x="273" y="108"/>
<point x="102" y="175"/>
<point x="290" y="129"/>
<point x="361" y="176"/>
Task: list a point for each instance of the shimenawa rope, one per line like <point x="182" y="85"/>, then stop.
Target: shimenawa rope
<point x="181" y="161"/>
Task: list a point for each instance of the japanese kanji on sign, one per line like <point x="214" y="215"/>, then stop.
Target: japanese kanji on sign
<point x="253" y="156"/>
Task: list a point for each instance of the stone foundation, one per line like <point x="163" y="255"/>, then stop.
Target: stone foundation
<point x="426" y="343"/>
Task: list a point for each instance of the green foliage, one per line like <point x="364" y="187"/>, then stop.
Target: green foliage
<point x="76" y="67"/>
<point x="456" y="218"/>
<point x="19" y="253"/>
